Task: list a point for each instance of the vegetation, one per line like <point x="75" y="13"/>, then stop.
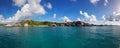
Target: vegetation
<point x="44" y="23"/>
<point x="2" y="24"/>
<point x="31" y="22"/>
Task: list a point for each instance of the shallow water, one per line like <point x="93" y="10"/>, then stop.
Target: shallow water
<point x="60" y="37"/>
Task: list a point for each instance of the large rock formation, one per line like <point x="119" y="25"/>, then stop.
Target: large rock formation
<point x="78" y="23"/>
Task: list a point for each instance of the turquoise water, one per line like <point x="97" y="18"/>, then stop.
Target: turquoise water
<point x="60" y="37"/>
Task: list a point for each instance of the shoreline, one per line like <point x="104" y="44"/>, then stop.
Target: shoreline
<point x="27" y="23"/>
<point x="58" y="26"/>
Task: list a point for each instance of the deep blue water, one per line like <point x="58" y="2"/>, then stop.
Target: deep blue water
<point x="60" y="37"/>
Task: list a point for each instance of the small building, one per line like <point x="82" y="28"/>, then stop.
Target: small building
<point x="8" y="25"/>
<point x="26" y="24"/>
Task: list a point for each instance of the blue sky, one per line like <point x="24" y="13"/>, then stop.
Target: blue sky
<point x="57" y="10"/>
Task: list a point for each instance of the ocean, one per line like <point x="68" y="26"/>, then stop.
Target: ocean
<point x="60" y="37"/>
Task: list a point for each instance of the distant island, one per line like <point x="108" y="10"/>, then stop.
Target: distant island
<point x="48" y="23"/>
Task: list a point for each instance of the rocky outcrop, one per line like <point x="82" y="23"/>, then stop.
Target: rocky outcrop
<point x="78" y="23"/>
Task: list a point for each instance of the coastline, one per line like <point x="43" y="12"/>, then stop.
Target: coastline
<point x="27" y="23"/>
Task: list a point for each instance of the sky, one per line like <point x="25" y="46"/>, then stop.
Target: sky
<point x="90" y="11"/>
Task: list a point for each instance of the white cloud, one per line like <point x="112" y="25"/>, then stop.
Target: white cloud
<point x="115" y="16"/>
<point x="54" y="15"/>
<point x="1" y="17"/>
<point x="106" y="2"/>
<point x="66" y="19"/>
<point x="114" y="19"/>
<point x="33" y="7"/>
<point x="94" y="1"/>
<point x="116" y="13"/>
<point x="22" y="14"/>
<point x="48" y="5"/>
<point x="73" y="0"/>
<point x="78" y="19"/>
<point x="81" y="12"/>
<point x="19" y="2"/>
<point x="103" y="18"/>
<point x="111" y="20"/>
<point x="91" y="18"/>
